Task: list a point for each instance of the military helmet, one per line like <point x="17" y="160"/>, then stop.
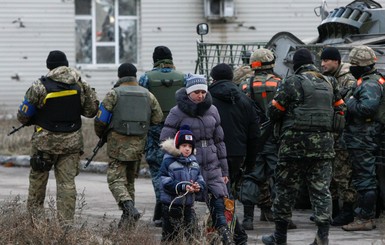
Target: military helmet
<point x="262" y="59"/>
<point x="362" y="56"/>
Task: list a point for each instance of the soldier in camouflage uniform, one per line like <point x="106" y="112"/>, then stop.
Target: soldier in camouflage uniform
<point x="304" y="105"/>
<point x="244" y="71"/>
<point x="362" y="134"/>
<point x="340" y="187"/>
<point x="125" y="115"/>
<point x="163" y="81"/>
<point x="54" y="104"/>
<point x="263" y="86"/>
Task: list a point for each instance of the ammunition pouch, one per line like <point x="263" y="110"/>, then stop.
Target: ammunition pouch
<point x="338" y="122"/>
<point x="38" y="163"/>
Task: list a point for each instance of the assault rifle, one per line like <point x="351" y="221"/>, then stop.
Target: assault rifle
<point x="99" y="145"/>
<point x="14" y="130"/>
<point x="267" y="129"/>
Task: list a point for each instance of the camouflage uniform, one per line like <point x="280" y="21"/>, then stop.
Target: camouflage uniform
<point x="264" y="83"/>
<point x="125" y="151"/>
<point x="61" y="149"/>
<point x="242" y="73"/>
<point x="305" y="153"/>
<point x="362" y="134"/>
<point x="153" y="153"/>
<point x="340" y="186"/>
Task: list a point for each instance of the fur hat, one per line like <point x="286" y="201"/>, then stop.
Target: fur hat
<point x="161" y="53"/>
<point x="222" y="72"/>
<point x="55" y="59"/>
<point x="126" y="70"/>
<point x="301" y="57"/>
<point x="331" y="53"/>
<point x="195" y="82"/>
<point x="184" y="135"/>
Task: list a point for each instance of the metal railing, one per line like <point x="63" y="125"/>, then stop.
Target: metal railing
<point x="211" y="54"/>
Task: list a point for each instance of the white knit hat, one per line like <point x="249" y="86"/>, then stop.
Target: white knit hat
<point x="195" y="82"/>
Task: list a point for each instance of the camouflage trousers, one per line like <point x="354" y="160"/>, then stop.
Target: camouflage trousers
<point x="317" y="175"/>
<point x="154" y="157"/>
<point x="363" y="164"/>
<point x="340" y="185"/>
<point x="66" y="168"/>
<point x="121" y="180"/>
<point x="264" y="171"/>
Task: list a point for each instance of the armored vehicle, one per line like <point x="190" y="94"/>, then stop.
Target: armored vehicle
<point x="361" y="22"/>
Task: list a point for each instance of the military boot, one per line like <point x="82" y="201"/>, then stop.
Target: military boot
<point x="226" y="236"/>
<point x="360" y="224"/>
<point x="130" y="214"/>
<point x="322" y="236"/>
<point x="346" y="215"/>
<point x="279" y="237"/>
<point x="266" y="215"/>
<point x="157" y="218"/>
<point x="248" y="217"/>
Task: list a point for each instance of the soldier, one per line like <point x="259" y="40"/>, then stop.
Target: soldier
<point x="304" y="104"/>
<point x="263" y="86"/>
<point x="240" y="123"/>
<point x="340" y="185"/>
<point x="54" y="104"/>
<point x="244" y="71"/>
<point x="124" y="116"/>
<point x="163" y="81"/>
<point x="362" y="134"/>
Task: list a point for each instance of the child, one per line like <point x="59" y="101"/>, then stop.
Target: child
<point x="180" y="181"/>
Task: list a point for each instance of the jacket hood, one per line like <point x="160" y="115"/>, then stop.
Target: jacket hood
<point x="169" y="147"/>
<point x="225" y="90"/>
<point x="190" y="108"/>
<point x="64" y="74"/>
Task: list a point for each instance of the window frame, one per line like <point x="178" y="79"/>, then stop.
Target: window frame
<point x="115" y="43"/>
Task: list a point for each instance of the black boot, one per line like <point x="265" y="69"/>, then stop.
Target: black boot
<point x="130" y="214"/>
<point x="226" y="236"/>
<point x="336" y="208"/>
<point x="248" y="217"/>
<point x="157" y="218"/>
<point x="346" y="215"/>
<point x="322" y="237"/>
<point x="279" y="237"/>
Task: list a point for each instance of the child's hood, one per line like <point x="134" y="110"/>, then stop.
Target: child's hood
<point x="169" y="147"/>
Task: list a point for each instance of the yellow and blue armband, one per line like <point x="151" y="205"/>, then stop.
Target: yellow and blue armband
<point x="103" y="115"/>
<point x="27" y="108"/>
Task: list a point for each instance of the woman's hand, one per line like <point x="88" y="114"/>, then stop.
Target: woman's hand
<point x="225" y="179"/>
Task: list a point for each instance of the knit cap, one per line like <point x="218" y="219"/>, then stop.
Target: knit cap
<point x="330" y="53"/>
<point x="55" y="59"/>
<point x="301" y="57"/>
<point x="222" y="72"/>
<point x="126" y="70"/>
<point x="195" y="82"/>
<point x="184" y="135"/>
<point x="161" y="53"/>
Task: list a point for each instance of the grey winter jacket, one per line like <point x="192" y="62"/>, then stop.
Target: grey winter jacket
<point x="204" y="121"/>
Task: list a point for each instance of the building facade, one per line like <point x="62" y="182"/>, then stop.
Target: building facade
<point x="98" y="35"/>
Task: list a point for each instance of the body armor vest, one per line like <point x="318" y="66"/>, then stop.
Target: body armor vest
<point x="262" y="89"/>
<point x="315" y="113"/>
<point x="62" y="108"/>
<point x="132" y="112"/>
<point x="163" y="86"/>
